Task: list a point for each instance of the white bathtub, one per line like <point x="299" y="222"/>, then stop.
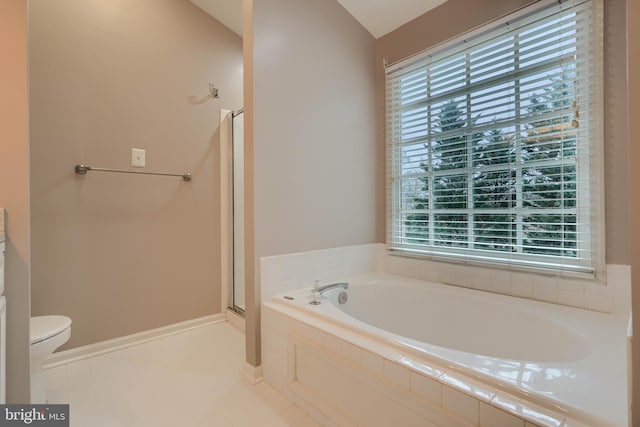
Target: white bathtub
<point x="568" y="361"/>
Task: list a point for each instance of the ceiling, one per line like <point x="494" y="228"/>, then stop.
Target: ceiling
<point x="379" y="17"/>
<point x="383" y="16"/>
<point x="229" y="12"/>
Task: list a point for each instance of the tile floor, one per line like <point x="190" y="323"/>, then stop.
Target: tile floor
<point x="188" y="379"/>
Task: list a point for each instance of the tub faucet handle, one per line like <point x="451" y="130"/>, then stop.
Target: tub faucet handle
<point x="315" y="293"/>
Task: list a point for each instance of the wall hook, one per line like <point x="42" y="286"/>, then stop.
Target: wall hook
<point x="213" y="90"/>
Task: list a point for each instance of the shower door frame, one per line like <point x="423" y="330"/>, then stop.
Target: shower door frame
<point x="227" y="213"/>
<point x="237" y="218"/>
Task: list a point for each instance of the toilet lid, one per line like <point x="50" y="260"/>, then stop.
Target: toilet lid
<point x="44" y="327"/>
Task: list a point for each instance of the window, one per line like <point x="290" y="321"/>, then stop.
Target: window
<point x="494" y="143"/>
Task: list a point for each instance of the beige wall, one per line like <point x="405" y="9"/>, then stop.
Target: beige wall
<point x="615" y="133"/>
<point x="14" y="191"/>
<point x="120" y="253"/>
<point x="633" y="52"/>
<point x="446" y="21"/>
<point x="313" y="122"/>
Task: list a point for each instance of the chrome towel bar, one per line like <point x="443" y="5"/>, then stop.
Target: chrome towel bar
<point x="83" y="169"/>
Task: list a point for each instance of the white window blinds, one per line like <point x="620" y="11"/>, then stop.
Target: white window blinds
<point x="494" y="143"/>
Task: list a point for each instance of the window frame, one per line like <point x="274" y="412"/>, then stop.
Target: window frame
<point x="546" y="264"/>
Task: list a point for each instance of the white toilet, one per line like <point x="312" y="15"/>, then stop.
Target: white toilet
<point x="47" y="334"/>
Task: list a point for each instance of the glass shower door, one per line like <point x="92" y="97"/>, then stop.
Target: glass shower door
<point x="238" y="210"/>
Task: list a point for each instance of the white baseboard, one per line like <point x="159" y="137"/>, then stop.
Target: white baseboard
<point x="236" y="320"/>
<point x="252" y="374"/>
<point x="96" y="349"/>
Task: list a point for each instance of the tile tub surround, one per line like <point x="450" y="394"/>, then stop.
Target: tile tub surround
<point x="444" y="393"/>
<point x="284" y="273"/>
<point x="614" y="296"/>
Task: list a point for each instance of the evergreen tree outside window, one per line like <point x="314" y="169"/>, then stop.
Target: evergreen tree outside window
<point x="494" y="143"/>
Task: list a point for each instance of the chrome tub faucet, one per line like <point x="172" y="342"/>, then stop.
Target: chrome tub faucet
<point x="317" y="291"/>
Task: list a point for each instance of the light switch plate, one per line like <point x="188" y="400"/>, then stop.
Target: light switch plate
<point x="137" y="157"/>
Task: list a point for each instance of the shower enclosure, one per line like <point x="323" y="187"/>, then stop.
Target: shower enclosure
<point x="237" y="142"/>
